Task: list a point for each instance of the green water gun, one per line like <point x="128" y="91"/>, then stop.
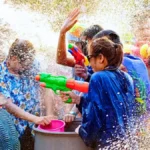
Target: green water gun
<point x="61" y="83"/>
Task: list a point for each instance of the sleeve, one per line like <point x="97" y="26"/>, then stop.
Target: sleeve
<point x="3" y="97"/>
<point x="82" y="104"/>
<point x="89" y="77"/>
<point x="92" y="114"/>
<point x="4" y="94"/>
<point x="2" y="100"/>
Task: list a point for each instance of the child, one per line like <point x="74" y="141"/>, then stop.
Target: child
<point x="136" y="68"/>
<point x="107" y="110"/>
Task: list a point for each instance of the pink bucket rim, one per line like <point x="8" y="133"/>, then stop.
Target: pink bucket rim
<point x="39" y="127"/>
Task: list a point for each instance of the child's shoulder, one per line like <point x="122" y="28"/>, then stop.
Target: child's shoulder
<point x="99" y="75"/>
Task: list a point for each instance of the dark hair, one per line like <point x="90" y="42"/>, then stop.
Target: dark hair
<point x="91" y="31"/>
<point x="110" y="34"/>
<point x="21" y="49"/>
<point x="112" y="51"/>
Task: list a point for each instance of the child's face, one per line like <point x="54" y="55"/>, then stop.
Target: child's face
<point x="98" y="63"/>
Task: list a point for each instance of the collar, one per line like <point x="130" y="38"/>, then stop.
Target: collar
<point x="6" y="71"/>
<point x="111" y="68"/>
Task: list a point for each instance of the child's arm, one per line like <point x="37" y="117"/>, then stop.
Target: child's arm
<point x="79" y="100"/>
<point x="71" y="115"/>
<point x="61" y="49"/>
<point x="20" y="113"/>
<point x="92" y="110"/>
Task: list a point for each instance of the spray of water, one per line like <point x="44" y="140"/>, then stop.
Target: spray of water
<point x="34" y="26"/>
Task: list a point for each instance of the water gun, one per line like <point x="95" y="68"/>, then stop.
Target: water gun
<point x="78" y="55"/>
<point x="61" y="83"/>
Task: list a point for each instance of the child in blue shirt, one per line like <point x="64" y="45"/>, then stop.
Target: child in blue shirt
<point x="108" y="108"/>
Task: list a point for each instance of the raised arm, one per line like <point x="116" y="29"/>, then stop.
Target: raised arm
<point x="61" y="56"/>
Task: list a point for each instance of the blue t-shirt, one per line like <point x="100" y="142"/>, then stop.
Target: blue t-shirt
<point x="136" y="68"/>
<point x="108" y="108"/>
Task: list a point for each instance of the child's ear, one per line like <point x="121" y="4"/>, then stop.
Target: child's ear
<point x="101" y="58"/>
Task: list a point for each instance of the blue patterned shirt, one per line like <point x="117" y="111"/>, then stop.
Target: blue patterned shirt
<point x="23" y="91"/>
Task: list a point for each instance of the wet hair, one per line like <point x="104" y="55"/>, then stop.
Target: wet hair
<point x="91" y="31"/>
<point x="23" y="49"/>
<point x="112" y="51"/>
<point x="110" y="34"/>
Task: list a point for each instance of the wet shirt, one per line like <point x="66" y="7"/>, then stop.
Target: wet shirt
<point x="23" y="91"/>
<point x="139" y="73"/>
<point x="107" y="109"/>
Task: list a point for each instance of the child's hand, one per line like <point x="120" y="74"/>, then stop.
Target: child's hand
<point x="81" y="71"/>
<point x="70" y="20"/>
<point x="77" y="129"/>
<point x="66" y="95"/>
<point x="69" y="118"/>
<point x="3" y="100"/>
<point x="43" y="120"/>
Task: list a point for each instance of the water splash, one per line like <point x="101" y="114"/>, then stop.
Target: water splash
<point x="34" y="26"/>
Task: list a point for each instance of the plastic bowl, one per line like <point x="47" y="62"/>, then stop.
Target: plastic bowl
<point x="54" y="126"/>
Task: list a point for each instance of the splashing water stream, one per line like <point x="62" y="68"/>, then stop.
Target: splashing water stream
<point x="34" y="26"/>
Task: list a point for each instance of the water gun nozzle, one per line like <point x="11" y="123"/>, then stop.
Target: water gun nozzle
<point x="37" y="77"/>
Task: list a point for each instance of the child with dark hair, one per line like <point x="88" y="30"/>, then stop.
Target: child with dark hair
<point x="136" y="69"/>
<point x="107" y="110"/>
<point x="90" y="32"/>
<point x="110" y="34"/>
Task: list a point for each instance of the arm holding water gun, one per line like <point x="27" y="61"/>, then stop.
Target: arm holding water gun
<point x="61" y="83"/>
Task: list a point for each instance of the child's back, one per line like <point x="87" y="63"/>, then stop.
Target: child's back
<point x="138" y="71"/>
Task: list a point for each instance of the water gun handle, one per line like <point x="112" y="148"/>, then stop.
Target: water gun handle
<point x="78" y="55"/>
<point x="68" y="101"/>
<point x="44" y="85"/>
<point x="78" y="85"/>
